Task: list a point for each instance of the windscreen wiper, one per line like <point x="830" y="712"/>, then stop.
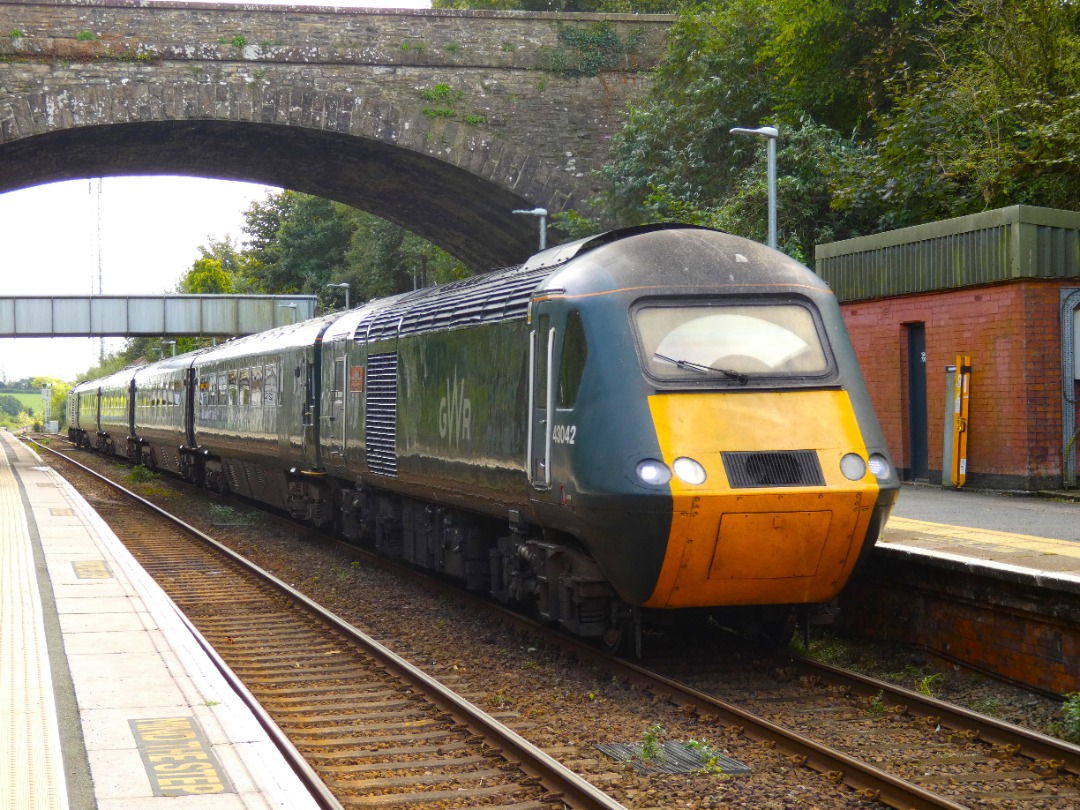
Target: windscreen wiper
<point x="701" y="368"/>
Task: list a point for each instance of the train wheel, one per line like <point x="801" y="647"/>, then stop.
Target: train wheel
<point x="774" y="628"/>
<point x="623" y="638"/>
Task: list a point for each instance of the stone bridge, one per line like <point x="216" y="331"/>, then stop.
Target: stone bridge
<point x="443" y="122"/>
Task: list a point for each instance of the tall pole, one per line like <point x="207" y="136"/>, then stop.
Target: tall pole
<point x="540" y="213"/>
<point x="770" y="133"/>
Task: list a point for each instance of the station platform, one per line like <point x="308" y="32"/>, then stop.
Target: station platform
<point x="107" y="700"/>
<point x="1025" y="538"/>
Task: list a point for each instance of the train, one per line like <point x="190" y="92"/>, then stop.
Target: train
<point x="655" y="421"/>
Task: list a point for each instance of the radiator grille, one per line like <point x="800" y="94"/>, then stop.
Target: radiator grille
<point x="380" y="425"/>
<point x="792" y="468"/>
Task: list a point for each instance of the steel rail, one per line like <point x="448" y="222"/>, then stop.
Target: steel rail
<point x="553" y="775"/>
<point x="859" y="775"/>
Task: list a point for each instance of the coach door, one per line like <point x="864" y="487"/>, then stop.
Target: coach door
<point x="334" y="420"/>
<point x="541" y="396"/>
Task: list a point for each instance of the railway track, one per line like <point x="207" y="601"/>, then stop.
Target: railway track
<point x="354" y="717"/>
<point x="888" y="744"/>
<point x="907" y="749"/>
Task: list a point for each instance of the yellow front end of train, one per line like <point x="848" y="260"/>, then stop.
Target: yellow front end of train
<point x="734" y="539"/>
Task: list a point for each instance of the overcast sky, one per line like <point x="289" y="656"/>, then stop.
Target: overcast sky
<point x="150" y="232"/>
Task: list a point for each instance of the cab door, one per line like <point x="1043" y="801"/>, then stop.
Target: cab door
<point x="541" y="397"/>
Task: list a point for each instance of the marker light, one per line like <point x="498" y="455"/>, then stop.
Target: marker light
<point x="853" y="467"/>
<point x="689" y="470"/>
<point x="653" y="472"/>
<point x="879" y="466"/>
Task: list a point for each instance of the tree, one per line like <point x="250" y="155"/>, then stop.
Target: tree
<point x="207" y="276"/>
<point x="10" y="405"/>
<point x="993" y="123"/>
<point x="675" y="151"/>
<point x="833" y="59"/>
<point x="384" y="259"/>
<point x="603" y="6"/>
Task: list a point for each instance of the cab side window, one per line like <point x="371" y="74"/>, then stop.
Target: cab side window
<point x="572" y="364"/>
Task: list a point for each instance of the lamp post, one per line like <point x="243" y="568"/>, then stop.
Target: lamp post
<point x="771" y="133"/>
<point x="343" y="286"/>
<point x="541" y="213"/>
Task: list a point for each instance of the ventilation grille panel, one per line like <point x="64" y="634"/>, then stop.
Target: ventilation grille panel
<point x="791" y="468"/>
<point x="380" y="425"/>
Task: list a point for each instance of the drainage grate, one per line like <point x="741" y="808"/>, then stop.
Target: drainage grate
<point x="674" y="757"/>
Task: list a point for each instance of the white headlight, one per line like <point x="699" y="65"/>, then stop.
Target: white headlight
<point x="654" y="472"/>
<point x="853" y="467"/>
<point x="879" y="466"/>
<point x="689" y="470"/>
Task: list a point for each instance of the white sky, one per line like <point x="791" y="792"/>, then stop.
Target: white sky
<point x="150" y="232"/>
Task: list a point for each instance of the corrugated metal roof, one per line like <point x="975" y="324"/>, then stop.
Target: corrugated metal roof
<point x="1007" y="243"/>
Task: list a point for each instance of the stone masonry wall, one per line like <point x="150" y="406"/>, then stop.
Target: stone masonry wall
<point x="426" y="117"/>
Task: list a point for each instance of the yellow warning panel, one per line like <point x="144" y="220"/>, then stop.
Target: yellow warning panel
<point x="91" y="569"/>
<point x="178" y="757"/>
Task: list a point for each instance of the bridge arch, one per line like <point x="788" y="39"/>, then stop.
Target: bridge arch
<point x="444" y="144"/>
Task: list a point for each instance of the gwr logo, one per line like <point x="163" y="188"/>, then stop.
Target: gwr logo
<point x="455" y="413"/>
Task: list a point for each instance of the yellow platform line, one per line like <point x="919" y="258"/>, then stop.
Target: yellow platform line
<point x="987" y="539"/>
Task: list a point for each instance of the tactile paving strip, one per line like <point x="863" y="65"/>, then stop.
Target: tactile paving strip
<point x="31" y="766"/>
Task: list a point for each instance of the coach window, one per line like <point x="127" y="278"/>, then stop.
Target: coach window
<point x="245" y="387"/>
<point x="270" y="385"/>
<point x="232" y="388"/>
<point x="257" y="386"/>
<point x="572" y="364"/>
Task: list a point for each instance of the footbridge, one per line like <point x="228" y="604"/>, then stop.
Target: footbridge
<point x="442" y="121"/>
<point x="150" y="315"/>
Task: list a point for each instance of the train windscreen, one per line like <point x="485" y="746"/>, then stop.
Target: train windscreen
<point x="735" y="342"/>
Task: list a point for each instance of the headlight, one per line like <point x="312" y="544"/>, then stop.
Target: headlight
<point x="880" y="467"/>
<point x="689" y="470"/>
<point x="853" y="467"/>
<point x="653" y="472"/>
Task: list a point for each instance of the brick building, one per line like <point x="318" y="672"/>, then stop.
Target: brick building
<point x="1001" y="286"/>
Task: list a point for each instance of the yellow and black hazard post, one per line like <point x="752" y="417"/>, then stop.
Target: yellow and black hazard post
<point x="961" y="396"/>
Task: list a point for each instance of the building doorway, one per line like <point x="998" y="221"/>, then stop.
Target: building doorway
<point x="918" y="431"/>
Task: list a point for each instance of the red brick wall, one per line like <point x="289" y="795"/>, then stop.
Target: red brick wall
<point x="1024" y="631"/>
<point x="1012" y="333"/>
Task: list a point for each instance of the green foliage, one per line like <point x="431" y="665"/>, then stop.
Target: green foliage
<point x="1070" y="713"/>
<point x="16" y="33"/>
<point x="586" y="51"/>
<point x="926" y="684"/>
<point x="992" y="123"/>
<point x="86" y="36"/>
<point x="599" y="6"/>
<point x="10" y="405"/>
<point x="140" y="475"/>
<point x="878" y="706"/>
<point x="651" y="747"/>
<point x="833" y="58"/>
<point x="206" y="277"/>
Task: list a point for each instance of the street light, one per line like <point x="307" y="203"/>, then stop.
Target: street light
<point x="771" y="133"/>
<point x="342" y="286"/>
<point x="542" y="214"/>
